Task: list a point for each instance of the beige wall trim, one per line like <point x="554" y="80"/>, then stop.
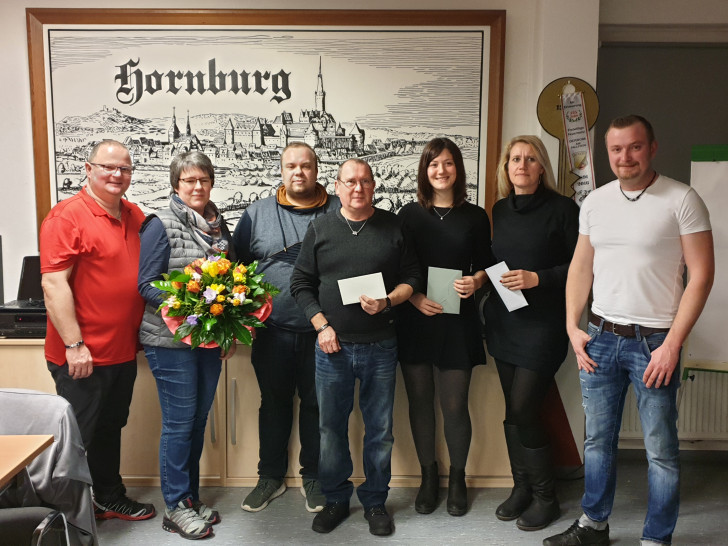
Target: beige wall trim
<point x="664" y="33"/>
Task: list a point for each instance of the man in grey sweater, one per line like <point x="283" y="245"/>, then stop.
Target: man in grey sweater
<point x="271" y="231"/>
<point x="355" y="341"/>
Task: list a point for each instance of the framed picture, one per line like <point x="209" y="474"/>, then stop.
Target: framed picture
<point x="239" y="85"/>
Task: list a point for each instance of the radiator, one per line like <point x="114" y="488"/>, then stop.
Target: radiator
<point x="703" y="412"/>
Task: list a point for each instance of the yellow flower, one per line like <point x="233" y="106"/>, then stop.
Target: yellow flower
<point x="176" y="305"/>
<point x="211" y="268"/>
<point x="236" y="302"/>
<point x="220" y="298"/>
<point x="218" y="287"/>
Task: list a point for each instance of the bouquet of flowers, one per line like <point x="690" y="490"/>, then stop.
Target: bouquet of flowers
<point x="215" y="301"/>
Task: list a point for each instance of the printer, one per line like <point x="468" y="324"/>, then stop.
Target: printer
<point x="26" y="316"/>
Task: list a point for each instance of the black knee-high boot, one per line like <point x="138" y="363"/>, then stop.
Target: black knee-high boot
<point x="521" y="496"/>
<point x="426" y="500"/>
<point x="457" y="493"/>
<point x="545" y="506"/>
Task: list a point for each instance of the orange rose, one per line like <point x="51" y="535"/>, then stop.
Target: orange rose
<point x="240" y="289"/>
<point x="193" y="286"/>
<point x="216" y="309"/>
<point x="223" y="264"/>
<point x="176" y="285"/>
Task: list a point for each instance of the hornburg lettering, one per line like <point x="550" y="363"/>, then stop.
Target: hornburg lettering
<point x="133" y="83"/>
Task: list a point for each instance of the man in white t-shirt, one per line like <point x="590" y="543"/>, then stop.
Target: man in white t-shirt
<point x="636" y="236"/>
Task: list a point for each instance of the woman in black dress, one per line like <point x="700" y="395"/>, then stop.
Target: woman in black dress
<point x="534" y="231"/>
<point x="447" y="232"/>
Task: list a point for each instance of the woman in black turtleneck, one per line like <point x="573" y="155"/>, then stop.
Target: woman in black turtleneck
<point x="534" y="231"/>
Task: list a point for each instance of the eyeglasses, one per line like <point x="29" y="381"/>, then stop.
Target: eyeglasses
<point x="351" y="184"/>
<point x="192" y="182"/>
<point x="111" y="169"/>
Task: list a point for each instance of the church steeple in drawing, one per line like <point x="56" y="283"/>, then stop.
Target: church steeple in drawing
<point x="173" y="131"/>
<point x="320" y="93"/>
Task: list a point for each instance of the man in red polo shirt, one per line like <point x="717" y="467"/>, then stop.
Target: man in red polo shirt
<point x="89" y="250"/>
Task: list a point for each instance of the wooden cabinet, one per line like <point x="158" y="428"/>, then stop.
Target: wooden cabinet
<point x="230" y="457"/>
<point x="243" y="401"/>
<point x="140" y="437"/>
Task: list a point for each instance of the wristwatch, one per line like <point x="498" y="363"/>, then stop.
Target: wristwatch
<point x="387" y="307"/>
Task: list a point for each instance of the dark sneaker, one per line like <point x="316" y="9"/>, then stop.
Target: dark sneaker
<point x="185" y="521"/>
<point x="315" y="499"/>
<point x="206" y="513"/>
<point x="578" y="535"/>
<point x="266" y="490"/>
<point x="329" y="518"/>
<point x="123" y="508"/>
<point x="380" y="522"/>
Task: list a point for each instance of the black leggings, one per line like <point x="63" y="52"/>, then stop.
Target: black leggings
<point x="453" y="387"/>
<point x="525" y="391"/>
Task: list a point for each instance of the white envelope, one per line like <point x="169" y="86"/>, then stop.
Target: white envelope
<point x="371" y="285"/>
<point x="513" y="299"/>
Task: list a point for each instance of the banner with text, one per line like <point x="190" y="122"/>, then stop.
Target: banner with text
<point x="576" y="136"/>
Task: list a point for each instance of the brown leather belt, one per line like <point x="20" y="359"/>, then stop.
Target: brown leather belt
<point x="624" y="330"/>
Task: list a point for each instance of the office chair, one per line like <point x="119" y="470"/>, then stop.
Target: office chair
<point x="33" y="526"/>
<point x="59" y="477"/>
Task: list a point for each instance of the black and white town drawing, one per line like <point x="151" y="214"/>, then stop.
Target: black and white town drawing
<point x="169" y="92"/>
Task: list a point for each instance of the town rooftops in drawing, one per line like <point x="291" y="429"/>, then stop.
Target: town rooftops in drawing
<point x="243" y="136"/>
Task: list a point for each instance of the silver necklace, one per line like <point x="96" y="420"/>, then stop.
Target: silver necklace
<point x="442" y="216"/>
<point x="633" y="199"/>
<point x="353" y="231"/>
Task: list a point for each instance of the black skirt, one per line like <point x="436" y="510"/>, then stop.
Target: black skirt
<point x="446" y="341"/>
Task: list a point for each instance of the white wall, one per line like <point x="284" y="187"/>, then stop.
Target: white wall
<point x="545" y="39"/>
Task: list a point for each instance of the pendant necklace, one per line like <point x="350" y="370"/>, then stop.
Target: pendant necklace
<point x="633" y="199"/>
<point x="442" y="216"/>
<point x="353" y="231"/>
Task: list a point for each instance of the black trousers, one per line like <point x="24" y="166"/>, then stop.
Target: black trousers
<point x="284" y="363"/>
<point x="100" y="403"/>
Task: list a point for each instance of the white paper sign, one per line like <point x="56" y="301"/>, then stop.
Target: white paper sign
<point x="513" y="299"/>
<point x="371" y="285"/>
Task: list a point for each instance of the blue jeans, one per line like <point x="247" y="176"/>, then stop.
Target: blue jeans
<point x="623" y="360"/>
<point x="284" y="364"/>
<point x="375" y="365"/>
<point x="186" y="382"/>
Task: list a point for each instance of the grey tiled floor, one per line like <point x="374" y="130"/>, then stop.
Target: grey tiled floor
<point x="703" y="515"/>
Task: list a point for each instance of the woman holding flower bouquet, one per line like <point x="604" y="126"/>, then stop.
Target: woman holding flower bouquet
<point x="172" y="238"/>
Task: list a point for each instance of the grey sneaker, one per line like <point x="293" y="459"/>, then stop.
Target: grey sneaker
<point x="206" y="513"/>
<point x="266" y="490"/>
<point x="315" y="499"/>
<point x="185" y="521"/>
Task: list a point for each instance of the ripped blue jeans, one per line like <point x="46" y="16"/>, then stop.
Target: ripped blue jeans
<point x="622" y="361"/>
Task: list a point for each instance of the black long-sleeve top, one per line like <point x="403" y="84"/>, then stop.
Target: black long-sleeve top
<point x="536" y="232"/>
<point x="330" y="252"/>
